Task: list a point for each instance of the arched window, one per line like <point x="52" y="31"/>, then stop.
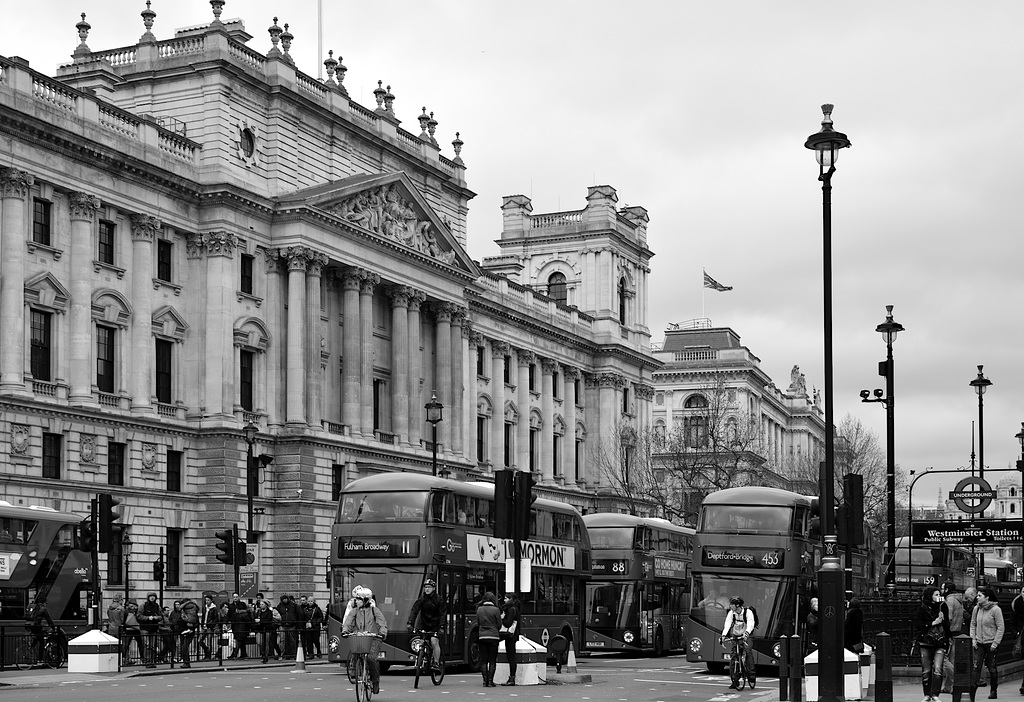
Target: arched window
<point x="622" y="300"/>
<point x="557" y="289"/>
<point x="696" y="402"/>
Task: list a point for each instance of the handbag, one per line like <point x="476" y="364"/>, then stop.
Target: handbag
<point x="935" y="636"/>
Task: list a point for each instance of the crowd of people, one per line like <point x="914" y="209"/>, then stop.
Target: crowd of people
<point x="185" y="629"/>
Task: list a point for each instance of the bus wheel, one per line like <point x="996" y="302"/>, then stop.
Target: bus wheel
<point x="659" y="644"/>
<point x="716" y="668"/>
<point x="473" y="652"/>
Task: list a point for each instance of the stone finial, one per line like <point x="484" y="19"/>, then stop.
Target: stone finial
<point x="275" y="36"/>
<point x="457" y="145"/>
<point x="83" y="34"/>
<point x="379" y="93"/>
<point x="218" y="7"/>
<point x="286" y="44"/>
<point x="331" y="65"/>
<point x="342" y="69"/>
<point x="424" y="118"/>
<point x="389" y="102"/>
<point x="147" y="19"/>
<point x="431" y="128"/>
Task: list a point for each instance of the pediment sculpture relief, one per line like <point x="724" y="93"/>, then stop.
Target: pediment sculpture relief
<point x="385" y="212"/>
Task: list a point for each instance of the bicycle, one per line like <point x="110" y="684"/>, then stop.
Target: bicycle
<point x="423" y="647"/>
<point x="736" y="668"/>
<point x="361" y="646"/>
<point x="53" y="651"/>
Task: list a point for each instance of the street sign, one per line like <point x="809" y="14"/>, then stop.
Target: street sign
<point x="977" y="490"/>
<point x="248" y="585"/>
<point x="974" y="533"/>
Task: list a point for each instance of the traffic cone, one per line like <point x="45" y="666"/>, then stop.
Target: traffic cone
<point x="570" y="667"/>
<point x="300" y="660"/>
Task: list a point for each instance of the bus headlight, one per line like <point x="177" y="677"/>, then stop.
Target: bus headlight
<point x="628" y="637"/>
<point x="777" y="651"/>
<point x="333" y="644"/>
<point x="695" y="645"/>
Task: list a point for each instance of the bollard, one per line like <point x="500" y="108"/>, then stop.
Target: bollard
<point x="784" y="669"/>
<point x="883" y="673"/>
<point x="796" y="668"/>
<point x="963" y="667"/>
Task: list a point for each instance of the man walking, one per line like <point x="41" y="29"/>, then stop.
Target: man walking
<point x="955" y="606"/>
<point x="314" y="617"/>
<point x="291" y="620"/>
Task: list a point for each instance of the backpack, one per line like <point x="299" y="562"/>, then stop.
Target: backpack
<point x="753" y="611"/>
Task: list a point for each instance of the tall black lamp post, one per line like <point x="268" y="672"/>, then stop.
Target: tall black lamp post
<point x="251" y="429"/>
<point x="980" y="385"/>
<point x="888" y="329"/>
<point x="826" y="145"/>
<point x="126" y="551"/>
<point x="434" y="415"/>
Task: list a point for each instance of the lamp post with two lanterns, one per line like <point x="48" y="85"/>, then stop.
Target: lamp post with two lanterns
<point x="888" y="329"/>
<point x="826" y="144"/>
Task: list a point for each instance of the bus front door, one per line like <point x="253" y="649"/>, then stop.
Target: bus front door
<point x="452" y="592"/>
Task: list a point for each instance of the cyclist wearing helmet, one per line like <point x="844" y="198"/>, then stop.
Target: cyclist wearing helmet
<point x="739" y="623"/>
<point x="365" y="617"/>
<point x="430" y="609"/>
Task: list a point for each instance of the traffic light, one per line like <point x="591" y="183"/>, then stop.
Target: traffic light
<point x="853" y="509"/>
<point x="107" y="516"/>
<point x="524" y="499"/>
<point x="87" y="535"/>
<point x="158" y="570"/>
<point x="226" y="546"/>
<point x="241" y="553"/>
<point x="504" y="497"/>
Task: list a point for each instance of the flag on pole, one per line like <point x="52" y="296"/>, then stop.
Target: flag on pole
<point x="710" y="282"/>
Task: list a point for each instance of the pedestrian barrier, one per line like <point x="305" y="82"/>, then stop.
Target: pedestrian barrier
<point x="531" y="659"/>
<point x="851" y="675"/>
<point x="867" y="673"/>
<point x="93" y="652"/>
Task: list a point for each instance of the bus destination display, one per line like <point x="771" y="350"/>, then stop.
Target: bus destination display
<point x="379" y="548"/>
<point x="765" y="558"/>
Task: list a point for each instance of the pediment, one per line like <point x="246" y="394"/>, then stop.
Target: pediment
<point x="167" y="322"/>
<point x="45" y="290"/>
<point x="390" y="207"/>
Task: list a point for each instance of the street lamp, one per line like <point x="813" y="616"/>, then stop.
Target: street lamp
<point x="251" y="429"/>
<point x="126" y="551"/>
<point x="826" y="144"/>
<point x="1020" y="467"/>
<point x="888" y="329"/>
<point x="980" y="385"/>
<point x="434" y="416"/>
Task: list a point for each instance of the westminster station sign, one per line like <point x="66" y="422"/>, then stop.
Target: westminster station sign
<point x="967" y="533"/>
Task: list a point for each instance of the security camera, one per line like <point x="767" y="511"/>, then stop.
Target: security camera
<point x="864" y="394"/>
<point x="298" y="493"/>
<point x="878" y="392"/>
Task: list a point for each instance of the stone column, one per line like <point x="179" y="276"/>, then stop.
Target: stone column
<point x="475" y="340"/>
<point x="350" y="397"/>
<point x="400" y="362"/>
<point x="314" y="340"/>
<point x="457" y="381"/>
<point x="295" y="362"/>
<point x="14" y="190"/>
<point x="220" y="392"/>
<point x="547" y="431"/>
<point x="277" y="352"/>
<point x="83" y="208"/>
<point x="144" y="231"/>
<point x="524" y="360"/>
<point x="331" y="403"/>
<point x="366" y="288"/>
<point x="609" y="407"/>
<point x="443" y="371"/>
<point x="499" y="349"/>
<point x="416" y="402"/>
<point x="569" y="376"/>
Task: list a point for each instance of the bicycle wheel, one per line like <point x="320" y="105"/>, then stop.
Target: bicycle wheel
<point x="361" y="680"/>
<point x="25" y="657"/>
<point x="350" y="668"/>
<point x="367" y="684"/>
<point x="421" y="662"/>
<point x="436" y="676"/>
<point x="53" y="655"/>
<point x="736" y="671"/>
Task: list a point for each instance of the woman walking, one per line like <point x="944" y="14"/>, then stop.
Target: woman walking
<point x="987" y="631"/>
<point x="932" y="626"/>
<point x="488" y="621"/>
<point x="511" y="619"/>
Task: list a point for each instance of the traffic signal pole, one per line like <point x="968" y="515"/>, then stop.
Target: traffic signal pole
<point x="237" y="564"/>
<point x="95" y="592"/>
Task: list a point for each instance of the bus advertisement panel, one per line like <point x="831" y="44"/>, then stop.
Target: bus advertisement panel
<point x="394" y="530"/>
<point x="639" y="597"/>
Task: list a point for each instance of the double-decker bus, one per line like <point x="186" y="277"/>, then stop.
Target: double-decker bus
<point x="39" y="555"/>
<point x="921" y="566"/>
<point x="639" y="597"/>
<point x="751" y="542"/>
<point x="394" y="530"/>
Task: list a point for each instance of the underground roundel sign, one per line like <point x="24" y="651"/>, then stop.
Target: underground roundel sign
<point x="972" y="495"/>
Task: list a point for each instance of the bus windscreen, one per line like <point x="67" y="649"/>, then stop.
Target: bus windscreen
<point x="757" y="519"/>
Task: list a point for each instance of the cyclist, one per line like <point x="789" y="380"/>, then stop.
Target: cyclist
<point x="430" y="609"/>
<point x="35" y="616"/>
<point x="739" y="623"/>
<point x="366" y="617"/>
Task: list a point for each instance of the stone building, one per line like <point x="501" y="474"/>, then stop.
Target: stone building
<point x="198" y="237"/>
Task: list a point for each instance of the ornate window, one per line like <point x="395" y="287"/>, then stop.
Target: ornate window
<point x="557" y="289"/>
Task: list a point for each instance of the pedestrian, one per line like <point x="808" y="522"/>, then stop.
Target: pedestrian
<point x="150" y="617"/>
<point x="428" y="611"/>
<point x="209" y="625"/>
<point x="955" y="607"/>
<point x="314" y="617"/>
<point x="1017" y="607"/>
<point x="170" y="626"/>
<point x="365" y="617"/>
<point x="241" y="625"/>
<point x="115" y="616"/>
<point x="291" y="619"/>
<point x="511" y="621"/>
<point x="35" y="617"/>
<point x="132" y="630"/>
<point x="190" y="616"/>
<point x="987" y="631"/>
<point x="811" y="630"/>
<point x="931" y="624"/>
<point x="853" y="628"/>
<point x="969" y="600"/>
<point x="488" y="622"/>
<point x="264" y="623"/>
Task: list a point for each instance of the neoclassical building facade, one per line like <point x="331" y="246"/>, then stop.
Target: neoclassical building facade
<point x="198" y="236"/>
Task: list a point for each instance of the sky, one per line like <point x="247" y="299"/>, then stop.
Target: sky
<point x="698" y="111"/>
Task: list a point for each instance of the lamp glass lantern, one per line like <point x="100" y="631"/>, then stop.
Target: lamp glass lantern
<point x="251" y="429"/>
<point x="889" y="328"/>
<point x="827" y="142"/>
<point x="1020" y="437"/>
<point x="434" y="410"/>
<point x="981" y="383"/>
<point x="126" y="545"/>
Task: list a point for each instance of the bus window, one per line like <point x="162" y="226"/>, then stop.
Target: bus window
<point x="484" y="514"/>
<point x="442" y="507"/>
<point x="383" y="507"/>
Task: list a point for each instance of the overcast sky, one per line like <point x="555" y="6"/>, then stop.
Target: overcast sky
<point x="698" y="111"/>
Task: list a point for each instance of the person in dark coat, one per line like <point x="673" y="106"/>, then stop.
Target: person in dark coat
<point x="265" y="625"/>
<point x="812" y="626"/>
<point x="931" y="625"/>
<point x="37" y="616"/>
<point x="511" y="619"/>
<point x="291" y="620"/>
<point x="241" y="625"/>
<point x="488" y="621"/>
<point x="209" y="624"/>
<point x="429" y="610"/>
<point x="853" y="629"/>
<point x="150" y="616"/>
<point x="314" y="617"/>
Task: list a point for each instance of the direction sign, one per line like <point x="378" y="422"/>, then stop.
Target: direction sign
<point x="977" y="532"/>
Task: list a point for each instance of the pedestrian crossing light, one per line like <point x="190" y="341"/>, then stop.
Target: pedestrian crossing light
<point x="87" y="535"/>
